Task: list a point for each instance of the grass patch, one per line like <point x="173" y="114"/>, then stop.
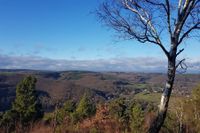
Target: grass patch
<point x="155" y="98"/>
<point x="150" y="97"/>
<point x="138" y="86"/>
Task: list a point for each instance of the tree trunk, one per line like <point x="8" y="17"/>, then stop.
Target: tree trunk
<point x="159" y="120"/>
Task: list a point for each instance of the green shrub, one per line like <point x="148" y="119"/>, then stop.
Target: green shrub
<point x="120" y="110"/>
<point x="48" y="117"/>
<point x="69" y="107"/>
<point x="137" y="118"/>
<point x="85" y="109"/>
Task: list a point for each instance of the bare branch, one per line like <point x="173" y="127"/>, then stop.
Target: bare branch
<point x="182" y="17"/>
<point x="181" y="64"/>
<point x="115" y="18"/>
<point x="168" y="17"/>
<point x="145" y="19"/>
<point x="166" y="8"/>
<point x="179" y="52"/>
<point x="195" y="27"/>
<point x="164" y="49"/>
<point x="179" y="7"/>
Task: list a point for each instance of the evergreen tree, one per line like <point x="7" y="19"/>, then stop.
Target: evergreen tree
<point x="85" y="109"/>
<point x="25" y="104"/>
<point x="65" y="112"/>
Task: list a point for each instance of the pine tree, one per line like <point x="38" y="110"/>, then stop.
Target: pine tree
<point x="25" y="103"/>
<point x="85" y="108"/>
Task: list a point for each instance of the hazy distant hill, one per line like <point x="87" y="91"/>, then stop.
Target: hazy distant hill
<point x="58" y="86"/>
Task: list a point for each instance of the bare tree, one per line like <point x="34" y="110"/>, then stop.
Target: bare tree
<point x="165" y="23"/>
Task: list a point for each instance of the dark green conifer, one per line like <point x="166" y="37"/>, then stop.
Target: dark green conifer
<point x="25" y="104"/>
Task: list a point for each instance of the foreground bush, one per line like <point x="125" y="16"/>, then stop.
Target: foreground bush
<point x="25" y="109"/>
<point x="85" y="109"/>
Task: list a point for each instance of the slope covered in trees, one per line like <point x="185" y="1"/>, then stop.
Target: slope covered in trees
<point x="59" y="86"/>
<point x="122" y="114"/>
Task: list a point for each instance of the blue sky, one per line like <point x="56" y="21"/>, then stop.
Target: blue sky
<point x="66" y="30"/>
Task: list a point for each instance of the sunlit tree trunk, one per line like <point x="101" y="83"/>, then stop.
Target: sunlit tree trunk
<point x="158" y="122"/>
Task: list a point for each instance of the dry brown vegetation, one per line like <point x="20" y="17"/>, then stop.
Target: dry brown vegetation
<point x="59" y="86"/>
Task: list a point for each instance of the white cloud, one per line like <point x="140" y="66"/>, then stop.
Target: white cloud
<point x="139" y="64"/>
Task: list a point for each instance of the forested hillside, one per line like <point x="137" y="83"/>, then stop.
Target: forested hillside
<point x="60" y="86"/>
<point x="126" y="105"/>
